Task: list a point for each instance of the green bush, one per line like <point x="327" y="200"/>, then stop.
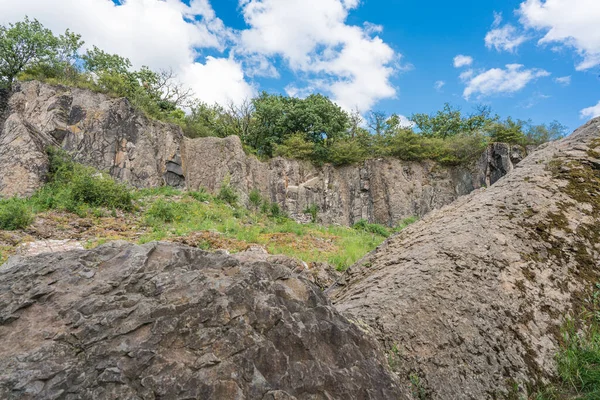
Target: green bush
<point x="297" y="147"/>
<point x="200" y="195"/>
<point x="255" y="199"/>
<point x="74" y="187"/>
<point x="313" y="210"/>
<point x="166" y="212"/>
<point x="228" y="194"/>
<point x="364" y="225"/>
<point x="347" y="151"/>
<point x="14" y="214"/>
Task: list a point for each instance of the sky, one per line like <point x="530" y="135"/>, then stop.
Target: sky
<point x="529" y="59"/>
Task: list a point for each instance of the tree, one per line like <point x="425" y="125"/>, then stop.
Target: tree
<point x="28" y="45"/>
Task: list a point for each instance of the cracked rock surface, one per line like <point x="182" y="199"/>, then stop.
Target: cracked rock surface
<point x="473" y="296"/>
<point x="173" y="322"/>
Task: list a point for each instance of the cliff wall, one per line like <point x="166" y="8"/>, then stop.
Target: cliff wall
<point x="110" y="135"/>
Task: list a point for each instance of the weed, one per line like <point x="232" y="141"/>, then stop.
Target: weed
<point x="418" y="390"/>
<point x="200" y="195"/>
<point x="313" y="210"/>
<point x="228" y="194"/>
<point x="255" y="199"/>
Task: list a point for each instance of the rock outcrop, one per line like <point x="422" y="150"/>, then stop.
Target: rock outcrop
<point x="472" y="298"/>
<point x="110" y="135"/>
<point x="103" y="132"/>
<point x="174" y="322"/>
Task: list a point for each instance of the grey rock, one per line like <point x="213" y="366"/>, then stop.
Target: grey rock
<point x="168" y="321"/>
<point x="473" y="296"/>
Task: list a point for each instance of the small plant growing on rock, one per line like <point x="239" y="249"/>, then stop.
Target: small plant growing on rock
<point x="255" y="199"/>
<point x="313" y="210"/>
<point x="227" y="193"/>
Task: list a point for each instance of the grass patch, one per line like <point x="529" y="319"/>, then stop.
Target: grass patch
<point x="578" y="361"/>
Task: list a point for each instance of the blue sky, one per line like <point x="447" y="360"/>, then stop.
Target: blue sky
<point x="393" y="56"/>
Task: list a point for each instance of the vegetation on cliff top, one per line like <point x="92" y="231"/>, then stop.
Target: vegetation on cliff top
<point x="313" y="129"/>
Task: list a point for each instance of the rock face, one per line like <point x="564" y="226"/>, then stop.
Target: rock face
<point x="110" y="135"/>
<point x="474" y="295"/>
<point x="105" y="133"/>
<point x="169" y="321"/>
<point x="385" y="191"/>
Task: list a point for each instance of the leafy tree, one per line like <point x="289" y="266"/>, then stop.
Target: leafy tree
<point x="278" y="117"/>
<point x="28" y="45"/>
<point x="450" y="122"/>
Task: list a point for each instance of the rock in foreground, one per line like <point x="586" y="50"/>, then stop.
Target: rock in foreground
<point x="169" y="321"/>
<point x="473" y="297"/>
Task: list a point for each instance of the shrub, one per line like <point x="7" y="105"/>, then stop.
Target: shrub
<point x="228" y="194"/>
<point x="74" y="187"/>
<point x="347" y="151"/>
<point x="14" y="214"/>
<point x="166" y="211"/>
<point x="364" y="225"/>
<point x="200" y="195"/>
<point x="313" y="210"/>
<point x="255" y="199"/>
<point x="98" y="190"/>
<point x="297" y="146"/>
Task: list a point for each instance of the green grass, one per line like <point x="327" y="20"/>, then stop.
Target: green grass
<point x="170" y="214"/>
<point x="578" y="361"/>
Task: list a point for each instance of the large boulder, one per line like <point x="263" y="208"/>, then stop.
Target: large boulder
<point x="472" y="298"/>
<point x="174" y="322"/>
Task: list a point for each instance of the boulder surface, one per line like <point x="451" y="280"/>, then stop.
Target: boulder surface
<point x="173" y="322"/>
<point x="472" y="298"/>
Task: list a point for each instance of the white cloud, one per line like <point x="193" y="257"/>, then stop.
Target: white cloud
<point x="315" y="41"/>
<point x="351" y="63"/>
<point x="591" y="112"/>
<point x="506" y="37"/>
<point x="571" y="23"/>
<point x="159" y="34"/>
<point x="500" y="81"/>
<point x="563" y="80"/>
<point x="462" y="61"/>
<point x="439" y="85"/>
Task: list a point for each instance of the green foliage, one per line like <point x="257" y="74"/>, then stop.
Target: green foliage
<point x="200" y="195"/>
<point x="279" y="117"/>
<point x="295" y="147"/>
<point x="15" y="214"/>
<point x="167" y="212"/>
<point x="313" y="210"/>
<point x="578" y="361"/>
<point x="364" y="225"/>
<point x="74" y="187"/>
<point x="255" y="199"/>
<point x="347" y="151"/>
<point x="228" y="194"/>
<point x="28" y="45"/>
<point x="450" y="122"/>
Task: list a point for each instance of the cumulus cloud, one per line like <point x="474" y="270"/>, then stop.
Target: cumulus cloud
<point x="497" y="81"/>
<point x="591" y="112"/>
<point x="563" y="80"/>
<point x="507" y="37"/>
<point x="462" y="61"/>
<point x="159" y="34"/>
<point x="349" y="62"/>
<point x="572" y="23"/>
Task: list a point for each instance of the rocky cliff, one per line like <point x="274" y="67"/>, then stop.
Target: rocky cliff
<point x="172" y="322"/>
<point x="110" y="135"/>
<point x="473" y="297"/>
